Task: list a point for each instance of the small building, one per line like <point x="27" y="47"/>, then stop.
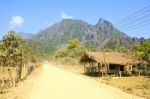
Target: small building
<point x="108" y="63"/>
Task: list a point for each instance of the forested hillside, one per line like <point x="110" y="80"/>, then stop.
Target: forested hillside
<point x="102" y="34"/>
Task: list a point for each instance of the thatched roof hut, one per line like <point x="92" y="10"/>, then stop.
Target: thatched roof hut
<point x="113" y="62"/>
<point x="109" y="58"/>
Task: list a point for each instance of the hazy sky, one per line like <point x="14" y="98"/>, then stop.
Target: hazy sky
<point x="30" y="16"/>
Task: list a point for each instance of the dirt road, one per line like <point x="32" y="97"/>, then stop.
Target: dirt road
<point x="55" y="83"/>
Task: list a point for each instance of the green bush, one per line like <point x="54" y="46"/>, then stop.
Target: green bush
<point x="74" y="49"/>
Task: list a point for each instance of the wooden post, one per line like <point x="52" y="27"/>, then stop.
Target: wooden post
<point x="84" y="66"/>
<point x="107" y="68"/>
<point x="120" y="73"/>
<point x="131" y="70"/>
<point x="98" y="68"/>
<point x="14" y="78"/>
<point x="92" y="67"/>
<point x="130" y="67"/>
<point x="102" y="71"/>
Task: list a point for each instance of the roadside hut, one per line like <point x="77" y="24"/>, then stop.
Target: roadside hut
<point x="108" y="63"/>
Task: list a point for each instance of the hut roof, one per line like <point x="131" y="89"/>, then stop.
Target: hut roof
<point x="110" y="58"/>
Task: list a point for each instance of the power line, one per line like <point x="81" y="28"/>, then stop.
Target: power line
<point x="137" y="23"/>
<point x="147" y="23"/>
<point x="132" y="16"/>
<point x="135" y="20"/>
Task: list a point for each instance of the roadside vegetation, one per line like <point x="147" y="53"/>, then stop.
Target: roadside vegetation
<point x="17" y="60"/>
<point x="70" y="54"/>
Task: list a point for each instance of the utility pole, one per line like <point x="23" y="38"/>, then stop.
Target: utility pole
<point x="103" y="49"/>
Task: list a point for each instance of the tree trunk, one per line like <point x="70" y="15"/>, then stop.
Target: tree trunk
<point x="139" y="72"/>
<point x="20" y="70"/>
<point x="102" y="72"/>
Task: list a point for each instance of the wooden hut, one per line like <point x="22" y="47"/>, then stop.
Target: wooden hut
<point x="108" y="63"/>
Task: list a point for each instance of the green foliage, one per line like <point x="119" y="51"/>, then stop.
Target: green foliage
<point x="38" y="50"/>
<point x="14" y="52"/>
<point x="121" y="49"/>
<point x="12" y="49"/>
<point x="61" y="53"/>
<point x="70" y="54"/>
<point x="143" y="50"/>
<point x="73" y="49"/>
<point x="74" y="43"/>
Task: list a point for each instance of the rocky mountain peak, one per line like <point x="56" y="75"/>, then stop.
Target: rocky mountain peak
<point x="88" y="34"/>
<point x="103" y="22"/>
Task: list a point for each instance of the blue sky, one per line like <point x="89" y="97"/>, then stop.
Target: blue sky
<point x="30" y="16"/>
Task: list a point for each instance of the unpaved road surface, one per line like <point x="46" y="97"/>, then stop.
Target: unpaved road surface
<point x="55" y="83"/>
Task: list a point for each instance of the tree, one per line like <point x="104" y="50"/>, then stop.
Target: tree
<point x="122" y="49"/>
<point x="13" y="51"/>
<point x="2" y="55"/>
<point x="142" y="50"/>
<point x="73" y="49"/>
<point x="74" y="43"/>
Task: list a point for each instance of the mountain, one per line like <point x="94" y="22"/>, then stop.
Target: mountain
<point x="92" y="36"/>
<point x="26" y="35"/>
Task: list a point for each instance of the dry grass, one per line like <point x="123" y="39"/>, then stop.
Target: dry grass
<point x="19" y="91"/>
<point x="136" y="85"/>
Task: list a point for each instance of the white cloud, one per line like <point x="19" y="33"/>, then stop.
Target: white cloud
<point x="65" y="16"/>
<point x="16" y="21"/>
